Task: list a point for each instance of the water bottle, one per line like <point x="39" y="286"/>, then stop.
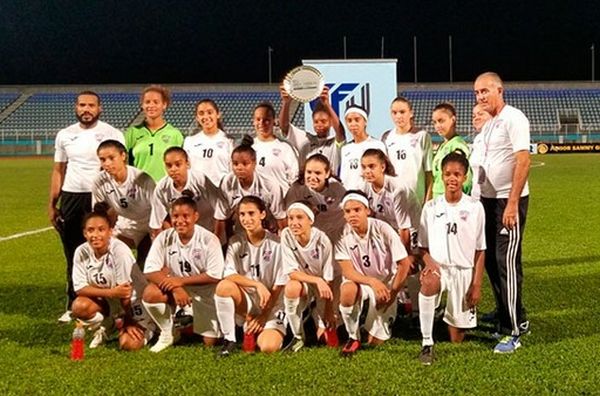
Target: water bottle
<point x="77" y="342"/>
<point x="249" y="344"/>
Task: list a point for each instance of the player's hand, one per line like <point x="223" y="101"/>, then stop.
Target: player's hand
<point x="170" y="283"/>
<point x="324" y="96"/>
<point x="264" y="294"/>
<point x="382" y="293"/>
<point x="256" y="324"/>
<point x="55" y="218"/>
<point x="431" y="268"/>
<point x="122" y="291"/>
<point x="510" y="217"/>
<point x="285" y="97"/>
<point x="132" y="331"/>
<point x="181" y="297"/>
<point x="473" y="296"/>
<point x="324" y="290"/>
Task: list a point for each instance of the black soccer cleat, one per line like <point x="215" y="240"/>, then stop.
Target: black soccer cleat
<point x="227" y="349"/>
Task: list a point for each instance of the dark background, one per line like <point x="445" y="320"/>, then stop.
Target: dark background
<point x="62" y="42"/>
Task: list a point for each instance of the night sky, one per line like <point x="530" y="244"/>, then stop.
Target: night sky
<point x="63" y="42"/>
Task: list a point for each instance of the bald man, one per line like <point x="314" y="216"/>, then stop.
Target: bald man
<point x="502" y="179"/>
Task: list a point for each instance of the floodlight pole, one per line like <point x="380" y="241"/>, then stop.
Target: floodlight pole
<point x="345" y="48"/>
<point x="450" y="58"/>
<point x="415" y="56"/>
<point x="382" y="46"/>
<point x="593" y="49"/>
<point x="269" y="51"/>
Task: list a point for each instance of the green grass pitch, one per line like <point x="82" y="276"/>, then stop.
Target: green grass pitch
<point x="562" y="281"/>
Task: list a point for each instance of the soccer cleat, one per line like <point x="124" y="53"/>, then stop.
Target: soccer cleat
<point x="227" y="349"/>
<point x="164" y="341"/>
<point x="294" y="345"/>
<point x="99" y="337"/>
<point x="350" y="347"/>
<point x="426" y="356"/>
<point x="508" y="344"/>
<point x="66" y="317"/>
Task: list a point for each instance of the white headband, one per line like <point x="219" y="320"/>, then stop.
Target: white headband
<point x="355" y="197"/>
<point x="356" y="110"/>
<point x="304" y="208"/>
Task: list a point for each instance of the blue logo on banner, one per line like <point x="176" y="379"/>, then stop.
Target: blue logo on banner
<point x="344" y="95"/>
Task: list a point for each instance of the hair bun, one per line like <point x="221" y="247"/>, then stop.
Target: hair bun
<point x="247" y="140"/>
<point x="187" y="193"/>
<point x="101" y="208"/>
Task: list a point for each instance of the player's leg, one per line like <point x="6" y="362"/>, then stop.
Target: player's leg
<point x="206" y="323"/>
<point x="142" y="250"/>
<point x="378" y="321"/>
<point x="493" y="226"/>
<point x="229" y="300"/>
<point x="158" y="307"/>
<point x="270" y="340"/>
<point x="90" y="311"/>
<point x="294" y="296"/>
<point x="350" y="306"/>
<point x="429" y="298"/>
<point x="458" y="315"/>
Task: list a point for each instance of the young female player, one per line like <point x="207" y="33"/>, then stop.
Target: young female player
<point x="374" y="266"/>
<point x="277" y="159"/>
<point x="210" y="148"/>
<point x="128" y="192"/>
<point x="148" y="141"/>
<point x="308" y="261"/>
<point x="323" y="192"/>
<point x="108" y="284"/>
<point x="179" y="178"/>
<point x="452" y="239"/>
<point x="409" y="149"/>
<point x="444" y="122"/>
<point x="244" y="181"/>
<point x="254" y="282"/>
<point x="184" y="265"/>
<point x="356" y="120"/>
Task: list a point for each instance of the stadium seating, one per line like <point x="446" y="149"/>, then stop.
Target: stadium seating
<point x="6" y="99"/>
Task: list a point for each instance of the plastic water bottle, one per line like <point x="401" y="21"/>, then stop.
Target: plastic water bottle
<point x="249" y="344"/>
<point x="331" y="338"/>
<point x="77" y="342"/>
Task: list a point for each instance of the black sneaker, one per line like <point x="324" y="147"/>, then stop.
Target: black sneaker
<point x="350" y="347"/>
<point x="294" y="345"/>
<point x="426" y="355"/>
<point x="227" y="348"/>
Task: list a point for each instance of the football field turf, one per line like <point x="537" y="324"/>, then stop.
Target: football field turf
<point x="562" y="281"/>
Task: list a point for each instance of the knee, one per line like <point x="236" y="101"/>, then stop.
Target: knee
<point x="293" y="289"/>
<point x="152" y="294"/>
<point x="430" y="284"/>
<point x="209" y="341"/>
<point x="225" y="288"/>
<point x="269" y="343"/>
<point x="83" y="308"/>
<point x="348" y="293"/>
<point x="128" y="343"/>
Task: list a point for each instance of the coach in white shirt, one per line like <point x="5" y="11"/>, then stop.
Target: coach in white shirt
<point x="504" y="193"/>
<point x="76" y="165"/>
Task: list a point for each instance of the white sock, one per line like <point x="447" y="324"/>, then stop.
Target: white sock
<point x="94" y="320"/>
<point x="426" y="315"/>
<point x="293" y="317"/>
<point x="162" y="316"/>
<point x="350" y="318"/>
<point x="226" y="315"/>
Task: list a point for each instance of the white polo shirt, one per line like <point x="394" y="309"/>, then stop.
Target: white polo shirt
<point x="503" y="135"/>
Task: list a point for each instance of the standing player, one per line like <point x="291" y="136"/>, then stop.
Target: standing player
<point x="323" y="192"/>
<point x="253" y="284"/>
<point x="128" y="192"/>
<point x="75" y="167"/>
<point x="374" y="265"/>
<point x="148" y="141"/>
<point x="356" y="119"/>
<point x="108" y="284"/>
<point x="210" y="148"/>
<point x="444" y="122"/>
<point x="323" y="140"/>
<point x="244" y="181"/>
<point x="409" y="149"/>
<point x="184" y="266"/>
<point x="308" y="261"/>
<point x="452" y="239"/>
<point x="505" y="197"/>
<point x="480" y="117"/>
<point x="277" y="159"/>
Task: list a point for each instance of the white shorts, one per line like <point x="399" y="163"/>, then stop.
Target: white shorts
<point x="134" y="230"/>
<point x="204" y="310"/>
<point x="311" y="293"/>
<point x="379" y="321"/>
<point x="456" y="282"/>
<point x="276" y="319"/>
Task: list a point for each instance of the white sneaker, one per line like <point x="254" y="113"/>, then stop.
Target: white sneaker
<point x="99" y="337"/>
<point x="65" y="318"/>
<point x="165" y="340"/>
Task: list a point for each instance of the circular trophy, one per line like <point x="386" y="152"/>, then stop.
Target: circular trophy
<point x="304" y="83"/>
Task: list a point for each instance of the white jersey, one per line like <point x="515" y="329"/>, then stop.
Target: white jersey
<point x="476" y="161"/>
<point x="503" y="135"/>
<point x="260" y="263"/>
<point x="201" y="255"/>
<point x="206" y="195"/>
<point x="453" y="232"/>
<point x="316" y="258"/>
<point x="392" y="203"/>
<point x="411" y="154"/>
<point x="350" y="170"/>
<point x="77" y="147"/>
<point x="308" y="143"/>
<point x="330" y="218"/>
<point x="130" y="199"/>
<point x="277" y="159"/>
<point x="377" y="254"/>
<point x="210" y="154"/>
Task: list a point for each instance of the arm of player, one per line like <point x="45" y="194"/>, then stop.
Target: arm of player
<point x="323" y="286"/>
<point x="261" y="289"/>
<point x="382" y="293"/>
<point x="521" y="172"/>
<point x="474" y="292"/>
<point x="284" y="113"/>
<point x="428" y="186"/>
<point x="122" y="291"/>
<point x="56" y="181"/>
<point x="257" y="324"/>
<point x="340" y="135"/>
<point x="430" y="264"/>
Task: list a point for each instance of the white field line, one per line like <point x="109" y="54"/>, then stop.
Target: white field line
<point x="26" y="233"/>
<point x="536" y="164"/>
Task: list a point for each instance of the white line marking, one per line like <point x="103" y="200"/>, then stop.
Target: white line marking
<point x="26" y="233"/>
<point x="537" y="164"/>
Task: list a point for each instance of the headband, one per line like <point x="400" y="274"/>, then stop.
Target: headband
<point x="355" y="197"/>
<point x="304" y="208"/>
<point x="356" y="110"/>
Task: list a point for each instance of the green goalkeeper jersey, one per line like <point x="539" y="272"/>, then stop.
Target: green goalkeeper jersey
<point x="444" y="149"/>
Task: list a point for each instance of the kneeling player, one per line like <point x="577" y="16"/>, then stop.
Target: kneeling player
<point x="308" y="261"/>
<point x="108" y="284"/>
<point x="184" y="265"/>
<point x="374" y="264"/>
<point x="452" y="239"/>
<point x="253" y="283"/>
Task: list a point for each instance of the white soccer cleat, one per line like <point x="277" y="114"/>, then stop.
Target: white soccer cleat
<point x="165" y="340"/>
<point x="99" y="337"/>
<point x="65" y="318"/>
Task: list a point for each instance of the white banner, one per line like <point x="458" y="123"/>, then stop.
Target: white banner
<point x="370" y="83"/>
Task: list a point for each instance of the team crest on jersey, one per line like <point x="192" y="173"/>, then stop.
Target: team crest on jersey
<point x="413" y="142"/>
<point x="166" y="138"/>
<point x="267" y="254"/>
<point x="197" y="256"/>
<point x="276" y="152"/>
<point x="329" y="200"/>
<point x="220" y="145"/>
<point x="315" y="254"/>
<point x="109" y="262"/>
<point x="463" y="214"/>
<point x="131" y="193"/>
<point x="99" y="137"/>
